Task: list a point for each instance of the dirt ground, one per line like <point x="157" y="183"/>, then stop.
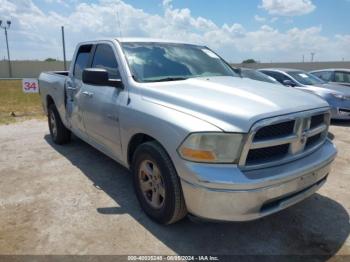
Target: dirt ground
<point x="74" y="200"/>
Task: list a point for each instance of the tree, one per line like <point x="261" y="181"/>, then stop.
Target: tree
<point x="249" y="61"/>
<point x="50" y="59"/>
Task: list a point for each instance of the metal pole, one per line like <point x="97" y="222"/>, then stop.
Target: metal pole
<point x="64" y="49"/>
<point x="8" y="53"/>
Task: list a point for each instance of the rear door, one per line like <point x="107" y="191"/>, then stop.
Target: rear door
<point x="101" y="103"/>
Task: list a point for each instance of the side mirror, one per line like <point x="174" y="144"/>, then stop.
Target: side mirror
<point x="289" y="83"/>
<point x="238" y="71"/>
<point x="99" y="77"/>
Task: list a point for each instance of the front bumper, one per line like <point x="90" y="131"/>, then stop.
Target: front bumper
<point x="340" y="109"/>
<point x="339" y="113"/>
<point x="227" y="193"/>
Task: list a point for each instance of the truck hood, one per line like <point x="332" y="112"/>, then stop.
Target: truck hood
<point x="233" y="104"/>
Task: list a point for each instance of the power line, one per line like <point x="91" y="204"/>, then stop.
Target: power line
<point x="312" y="56"/>
<point x="6" y="27"/>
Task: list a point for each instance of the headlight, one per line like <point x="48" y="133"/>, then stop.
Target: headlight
<point x="212" y="147"/>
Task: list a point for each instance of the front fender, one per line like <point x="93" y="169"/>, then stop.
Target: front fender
<point x="168" y="126"/>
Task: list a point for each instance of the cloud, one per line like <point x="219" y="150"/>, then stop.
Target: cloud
<point x="288" y="7"/>
<point x="36" y="34"/>
<point x="273" y="19"/>
<point x="167" y="3"/>
<point x="265" y="20"/>
<point x="259" y="18"/>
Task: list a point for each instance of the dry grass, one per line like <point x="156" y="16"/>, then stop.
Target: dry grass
<point x="12" y="99"/>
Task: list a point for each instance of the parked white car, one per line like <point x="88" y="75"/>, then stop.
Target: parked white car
<point x="337" y="96"/>
<point x="334" y="76"/>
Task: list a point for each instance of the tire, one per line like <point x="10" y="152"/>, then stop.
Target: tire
<point x="152" y="157"/>
<point x="59" y="133"/>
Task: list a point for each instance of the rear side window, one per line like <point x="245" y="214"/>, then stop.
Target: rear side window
<point x="276" y="75"/>
<point x="256" y="75"/>
<point x="105" y="58"/>
<point x="342" y="77"/>
<point x="325" y="75"/>
<point x="82" y="60"/>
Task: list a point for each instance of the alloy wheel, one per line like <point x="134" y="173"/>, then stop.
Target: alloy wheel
<point x="152" y="184"/>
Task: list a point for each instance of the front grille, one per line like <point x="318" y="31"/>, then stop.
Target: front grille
<point x="256" y="156"/>
<point x="317" y="120"/>
<point x="311" y="141"/>
<point x="273" y="141"/>
<point x="276" y="130"/>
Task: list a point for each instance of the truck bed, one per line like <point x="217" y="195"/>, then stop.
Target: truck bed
<point x="52" y="86"/>
<point x="63" y="73"/>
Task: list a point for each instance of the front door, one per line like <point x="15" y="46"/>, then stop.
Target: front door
<point x="73" y="90"/>
<point x="101" y="103"/>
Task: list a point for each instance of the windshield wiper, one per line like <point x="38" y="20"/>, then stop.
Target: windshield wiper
<point x="166" y="79"/>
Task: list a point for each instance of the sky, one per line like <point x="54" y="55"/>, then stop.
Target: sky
<point x="265" y="30"/>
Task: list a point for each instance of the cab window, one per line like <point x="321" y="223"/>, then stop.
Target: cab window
<point x="82" y="60"/>
<point x="105" y="58"/>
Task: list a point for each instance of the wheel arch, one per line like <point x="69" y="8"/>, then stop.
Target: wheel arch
<point x="49" y="101"/>
<point x="135" y="141"/>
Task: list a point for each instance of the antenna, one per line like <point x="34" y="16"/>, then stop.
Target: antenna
<point x="118" y="20"/>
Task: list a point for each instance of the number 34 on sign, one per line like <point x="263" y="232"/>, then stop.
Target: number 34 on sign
<point x="30" y="85"/>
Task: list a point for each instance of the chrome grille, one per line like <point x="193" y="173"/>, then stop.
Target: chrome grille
<point x="276" y="130"/>
<point x="313" y="140"/>
<point x="317" y="120"/>
<point x="267" y="153"/>
<point x="282" y="139"/>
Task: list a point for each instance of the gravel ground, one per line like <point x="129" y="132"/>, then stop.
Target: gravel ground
<point x="74" y="200"/>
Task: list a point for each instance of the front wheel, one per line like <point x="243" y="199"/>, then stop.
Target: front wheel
<point x="157" y="185"/>
<point x="59" y="133"/>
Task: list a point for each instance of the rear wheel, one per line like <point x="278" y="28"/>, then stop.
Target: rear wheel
<point x="157" y="185"/>
<point x="59" y="133"/>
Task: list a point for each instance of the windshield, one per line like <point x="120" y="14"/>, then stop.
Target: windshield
<point x="306" y="78"/>
<point x="256" y="75"/>
<point x="153" y="62"/>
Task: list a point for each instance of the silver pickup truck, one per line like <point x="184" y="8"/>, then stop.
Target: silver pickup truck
<point x="197" y="138"/>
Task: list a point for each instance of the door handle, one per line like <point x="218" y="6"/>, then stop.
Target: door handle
<point x="89" y="94"/>
<point x="69" y="86"/>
